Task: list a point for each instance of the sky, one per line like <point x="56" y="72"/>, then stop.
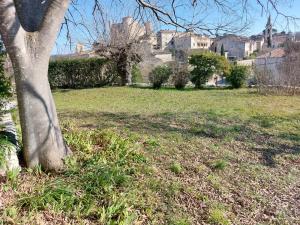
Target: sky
<point x="210" y="16"/>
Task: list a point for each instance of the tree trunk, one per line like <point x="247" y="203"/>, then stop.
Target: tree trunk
<point x="42" y="138"/>
<point x="29" y="30"/>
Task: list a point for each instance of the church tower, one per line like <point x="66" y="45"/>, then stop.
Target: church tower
<point x="269" y="33"/>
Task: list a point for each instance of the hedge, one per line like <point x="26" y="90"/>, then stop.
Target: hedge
<point x="81" y="73"/>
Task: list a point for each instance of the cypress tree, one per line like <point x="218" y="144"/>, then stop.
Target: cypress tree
<point x="222" y="50"/>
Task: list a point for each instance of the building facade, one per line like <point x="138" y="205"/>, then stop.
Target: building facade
<point x="170" y="39"/>
<point x="190" y="40"/>
<point x="236" y="47"/>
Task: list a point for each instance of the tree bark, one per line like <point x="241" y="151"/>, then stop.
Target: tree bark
<point x="29" y="50"/>
<point x="42" y="139"/>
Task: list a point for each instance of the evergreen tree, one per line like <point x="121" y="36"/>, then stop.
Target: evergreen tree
<point x="222" y="50"/>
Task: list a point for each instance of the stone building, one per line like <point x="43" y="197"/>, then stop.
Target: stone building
<point x="190" y="40"/>
<point x="236" y="47"/>
<point x="164" y="39"/>
<point x="130" y="30"/>
<point x="259" y="42"/>
<point x="170" y="39"/>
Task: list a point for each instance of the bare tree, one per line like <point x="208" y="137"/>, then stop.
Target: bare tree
<point x="289" y="70"/>
<point x="122" y="46"/>
<point x="29" y="29"/>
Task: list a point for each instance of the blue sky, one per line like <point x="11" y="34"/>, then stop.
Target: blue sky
<point x="256" y="19"/>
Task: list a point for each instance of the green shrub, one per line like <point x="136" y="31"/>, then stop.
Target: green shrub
<point x="81" y="73"/>
<point x="205" y="65"/>
<point x="181" y="77"/>
<point x="160" y="75"/>
<point x="237" y="76"/>
<point x="137" y="76"/>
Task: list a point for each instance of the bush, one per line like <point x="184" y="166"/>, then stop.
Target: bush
<point x="205" y="65"/>
<point x="81" y="73"/>
<point x="237" y="76"/>
<point x="137" y="76"/>
<point x="160" y="75"/>
<point x="181" y="77"/>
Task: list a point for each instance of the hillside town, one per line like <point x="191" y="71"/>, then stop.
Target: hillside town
<point x="263" y="50"/>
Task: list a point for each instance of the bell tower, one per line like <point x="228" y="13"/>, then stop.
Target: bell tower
<point x="269" y="33"/>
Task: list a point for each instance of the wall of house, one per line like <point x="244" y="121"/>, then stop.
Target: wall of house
<point x="269" y="64"/>
<point x="189" y="41"/>
<point x="234" y="48"/>
<point x="164" y="39"/>
<point x="199" y="42"/>
<point x="183" y="42"/>
<point x="164" y="57"/>
<point x="260" y="44"/>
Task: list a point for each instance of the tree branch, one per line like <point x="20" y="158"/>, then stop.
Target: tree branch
<point x="11" y="30"/>
<point x="51" y="23"/>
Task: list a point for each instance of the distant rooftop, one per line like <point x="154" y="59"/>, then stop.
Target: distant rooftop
<point x="234" y="37"/>
<point x="170" y="31"/>
<point x="276" y="53"/>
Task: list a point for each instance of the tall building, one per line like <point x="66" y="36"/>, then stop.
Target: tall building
<point x="130" y="30"/>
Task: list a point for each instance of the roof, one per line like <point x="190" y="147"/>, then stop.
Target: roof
<point x="169" y="31"/>
<point x="276" y="53"/>
<point x="257" y="37"/>
<point x="234" y="37"/>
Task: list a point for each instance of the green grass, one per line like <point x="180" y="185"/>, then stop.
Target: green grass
<point x="145" y="156"/>
<point x="176" y="168"/>
<point x="217" y="217"/>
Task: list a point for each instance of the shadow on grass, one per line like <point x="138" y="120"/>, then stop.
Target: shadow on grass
<point x="187" y="89"/>
<point x="206" y="125"/>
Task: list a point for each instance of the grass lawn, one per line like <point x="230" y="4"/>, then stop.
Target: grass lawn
<point x="145" y="156"/>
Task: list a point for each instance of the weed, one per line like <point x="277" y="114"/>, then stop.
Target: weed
<point x="219" y="164"/>
<point x="12" y="178"/>
<point x="215" y="181"/>
<point x="152" y="143"/>
<point x="176" y="168"/>
<point x="217" y="217"/>
<point x="180" y="221"/>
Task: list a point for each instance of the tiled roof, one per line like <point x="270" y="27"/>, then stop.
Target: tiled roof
<point x="234" y="37"/>
<point x="276" y="53"/>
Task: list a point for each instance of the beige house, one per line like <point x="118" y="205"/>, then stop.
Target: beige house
<point x="170" y="39"/>
<point x="190" y="40"/>
<point x="237" y="47"/>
